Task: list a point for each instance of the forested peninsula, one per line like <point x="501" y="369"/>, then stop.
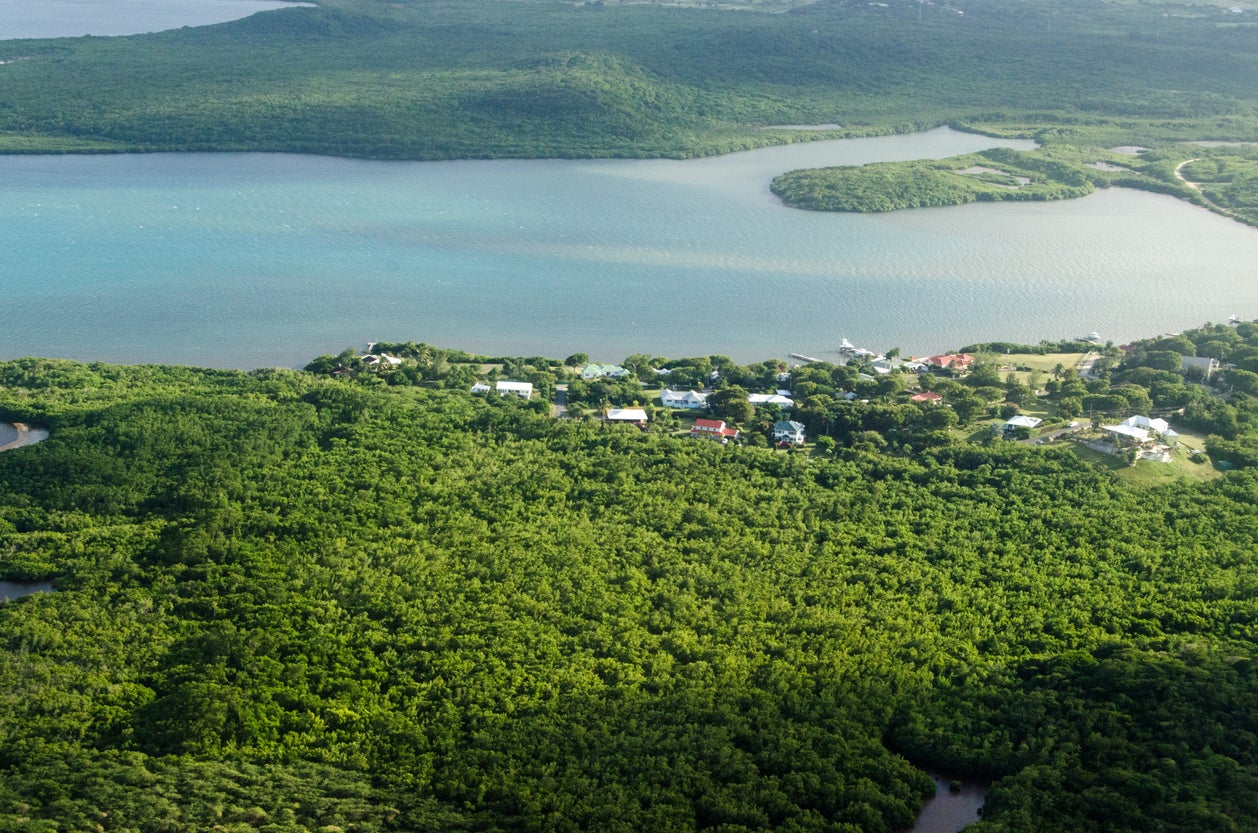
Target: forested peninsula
<point x="362" y="596"/>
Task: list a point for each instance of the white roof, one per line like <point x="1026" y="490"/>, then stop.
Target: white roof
<point x="627" y="414"/>
<point x="480" y="387"/>
<point x="1127" y="431"/>
<point x="1159" y="425"/>
<point x="685" y="395"/>
<point x="515" y="386"/>
<point x="1023" y="421"/>
<point x="770" y="398"/>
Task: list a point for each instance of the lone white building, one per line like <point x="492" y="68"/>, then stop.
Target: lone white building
<point x="524" y="390"/>
<point x="691" y="400"/>
<point x="637" y="415"/>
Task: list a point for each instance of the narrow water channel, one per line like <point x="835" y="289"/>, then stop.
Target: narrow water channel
<point x="19" y="434"/>
<point x="950" y="811"/>
<point x="10" y="590"/>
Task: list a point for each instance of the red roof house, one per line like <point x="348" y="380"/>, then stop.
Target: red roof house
<point x="953" y="360"/>
<point x="713" y="429"/>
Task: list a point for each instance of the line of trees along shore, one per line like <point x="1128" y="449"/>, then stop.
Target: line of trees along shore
<point x="292" y="602"/>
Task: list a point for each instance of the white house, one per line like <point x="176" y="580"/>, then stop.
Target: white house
<point x="381" y="358"/>
<point x="524" y="390"/>
<point x="1020" y="421"/>
<point x="481" y="387"/>
<point x="1157" y="426"/>
<point x="713" y="429"/>
<point x="788" y="431"/>
<point x="1128" y="431"/>
<point x="637" y="415"/>
<point x="783" y="402"/>
<point x="691" y="400"/>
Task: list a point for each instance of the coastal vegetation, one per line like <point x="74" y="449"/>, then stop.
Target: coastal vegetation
<point x="989" y="176"/>
<point x="1220" y="177"/>
<point x="360" y="597"/>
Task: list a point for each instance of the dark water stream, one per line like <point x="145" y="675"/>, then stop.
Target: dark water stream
<point x="951" y="811"/>
<point x="16" y="589"/>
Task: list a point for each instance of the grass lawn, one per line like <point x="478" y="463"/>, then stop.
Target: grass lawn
<point x="1147" y="473"/>
<point x="1044" y="364"/>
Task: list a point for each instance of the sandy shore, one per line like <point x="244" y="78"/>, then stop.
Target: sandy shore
<point x="26" y="435"/>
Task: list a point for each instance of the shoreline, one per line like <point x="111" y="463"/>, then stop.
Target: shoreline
<point x="26" y="435"/>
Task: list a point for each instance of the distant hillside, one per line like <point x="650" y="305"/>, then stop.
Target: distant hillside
<point x="489" y="78"/>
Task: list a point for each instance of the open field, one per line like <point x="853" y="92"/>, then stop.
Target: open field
<point x="1147" y="472"/>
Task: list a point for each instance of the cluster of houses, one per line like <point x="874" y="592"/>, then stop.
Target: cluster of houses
<point x="785" y="431"/>
<point x="883" y="365"/>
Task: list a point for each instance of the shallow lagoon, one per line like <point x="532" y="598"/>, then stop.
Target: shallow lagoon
<point x="247" y="260"/>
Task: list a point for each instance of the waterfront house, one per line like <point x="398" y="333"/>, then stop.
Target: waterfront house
<point x="953" y="361"/>
<point x="598" y="371"/>
<point x="690" y="400"/>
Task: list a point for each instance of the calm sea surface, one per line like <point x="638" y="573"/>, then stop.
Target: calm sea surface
<point x="73" y="18"/>
<point x="259" y="260"/>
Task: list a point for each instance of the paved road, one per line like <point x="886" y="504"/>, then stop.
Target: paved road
<point x="1083" y="425"/>
<point x="560" y="407"/>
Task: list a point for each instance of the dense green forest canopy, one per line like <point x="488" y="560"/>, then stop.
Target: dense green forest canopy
<point x="327" y="600"/>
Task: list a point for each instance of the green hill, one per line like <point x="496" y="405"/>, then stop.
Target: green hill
<point x="475" y="78"/>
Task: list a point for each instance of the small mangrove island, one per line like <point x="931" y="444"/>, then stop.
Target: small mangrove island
<point x="1222" y="178"/>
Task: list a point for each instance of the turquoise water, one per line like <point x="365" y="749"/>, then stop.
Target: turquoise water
<point x="73" y="18"/>
<point x="258" y="260"/>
